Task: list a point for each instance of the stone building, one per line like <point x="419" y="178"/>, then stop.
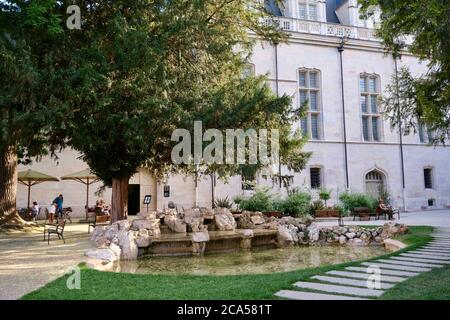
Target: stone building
<point x="334" y="60"/>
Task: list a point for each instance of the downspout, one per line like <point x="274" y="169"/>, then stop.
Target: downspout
<point x="278" y="94"/>
<point x="341" y="49"/>
<point x="399" y="119"/>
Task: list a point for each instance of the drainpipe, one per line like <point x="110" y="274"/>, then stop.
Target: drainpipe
<point x="399" y="119"/>
<point x="340" y="50"/>
<point x="275" y="44"/>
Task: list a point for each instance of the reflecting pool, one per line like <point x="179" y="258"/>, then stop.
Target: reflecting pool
<point x="250" y="262"/>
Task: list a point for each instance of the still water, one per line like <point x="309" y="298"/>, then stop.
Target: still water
<point x="250" y="262"/>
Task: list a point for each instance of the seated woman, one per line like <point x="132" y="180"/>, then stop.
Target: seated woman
<point x="34" y="210"/>
<point x="385" y="209"/>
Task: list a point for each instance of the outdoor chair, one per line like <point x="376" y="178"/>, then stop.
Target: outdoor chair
<point x="57" y="229"/>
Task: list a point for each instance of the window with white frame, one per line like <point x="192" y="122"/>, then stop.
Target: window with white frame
<point x="371" y="118"/>
<point x="309" y="90"/>
<point x="307" y="10"/>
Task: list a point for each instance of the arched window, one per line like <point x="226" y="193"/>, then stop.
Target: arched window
<point x="375" y="183"/>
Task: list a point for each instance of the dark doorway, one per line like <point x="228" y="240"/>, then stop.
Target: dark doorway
<point x="134" y="197"/>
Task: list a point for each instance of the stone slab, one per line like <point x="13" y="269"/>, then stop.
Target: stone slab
<point x="433" y="251"/>
<point x="359" y="275"/>
<point x="363" y="292"/>
<point x="412" y="264"/>
<point x="396" y="267"/>
<point x="302" y="295"/>
<point x="350" y="282"/>
<point x="420" y="260"/>
<point x="387" y="272"/>
<point x="430" y="254"/>
<point x="424" y="256"/>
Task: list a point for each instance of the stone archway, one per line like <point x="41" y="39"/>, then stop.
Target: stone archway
<point x="375" y="181"/>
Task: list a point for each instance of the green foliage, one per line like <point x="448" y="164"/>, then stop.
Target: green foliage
<point x="425" y="97"/>
<point x="324" y="195"/>
<point x="316" y="205"/>
<point x="223" y="203"/>
<point x="352" y="200"/>
<point x="296" y="204"/>
<point x="260" y="200"/>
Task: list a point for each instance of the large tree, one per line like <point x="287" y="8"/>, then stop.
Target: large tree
<point x="30" y="55"/>
<point x="142" y="69"/>
<point x="424" y="99"/>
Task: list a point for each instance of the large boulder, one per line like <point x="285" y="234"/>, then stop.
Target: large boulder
<point x="284" y="237"/>
<point x="194" y="220"/>
<point x="393" y="245"/>
<point x="258" y="218"/>
<point x="143" y="238"/>
<point x="105" y="254"/>
<point x="127" y="243"/>
<point x="224" y="220"/>
<point x="122" y="225"/>
<point x="245" y="221"/>
<point x="313" y="233"/>
<point x="175" y="224"/>
<point x="147" y="215"/>
<point x="148" y="224"/>
<point x="392" y="229"/>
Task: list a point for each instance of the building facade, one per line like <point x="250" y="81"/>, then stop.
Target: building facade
<point x="334" y="61"/>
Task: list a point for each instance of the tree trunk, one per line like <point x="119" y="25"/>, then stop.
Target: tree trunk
<point x="8" y="188"/>
<point x="119" y="207"/>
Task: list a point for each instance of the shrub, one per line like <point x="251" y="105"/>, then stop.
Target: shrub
<point x="296" y="204"/>
<point x="316" y="205"/>
<point x="223" y="203"/>
<point x="352" y="200"/>
<point x="261" y="200"/>
<point x="325" y="195"/>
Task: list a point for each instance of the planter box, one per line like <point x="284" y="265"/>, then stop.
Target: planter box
<point x="327" y="213"/>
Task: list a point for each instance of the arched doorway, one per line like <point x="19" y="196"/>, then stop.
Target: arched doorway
<point x="375" y="183"/>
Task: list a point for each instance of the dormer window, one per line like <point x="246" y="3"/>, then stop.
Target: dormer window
<point x="307" y="10"/>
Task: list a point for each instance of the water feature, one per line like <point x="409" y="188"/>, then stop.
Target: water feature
<point x="250" y="262"/>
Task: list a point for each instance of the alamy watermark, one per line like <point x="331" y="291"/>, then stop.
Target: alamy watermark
<point x="239" y="145"/>
<point x="74" y="279"/>
<point x="74" y="19"/>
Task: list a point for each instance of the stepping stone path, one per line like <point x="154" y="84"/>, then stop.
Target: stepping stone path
<point x="359" y="282"/>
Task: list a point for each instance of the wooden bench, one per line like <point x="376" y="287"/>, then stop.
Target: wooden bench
<point x="390" y="213"/>
<point x="98" y="220"/>
<point x="362" y="212"/>
<point x="57" y="229"/>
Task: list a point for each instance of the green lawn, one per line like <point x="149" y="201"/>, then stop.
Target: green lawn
<point x="107" y="285"/>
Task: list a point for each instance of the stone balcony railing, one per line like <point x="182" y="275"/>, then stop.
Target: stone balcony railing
<point x="326" y="29"/>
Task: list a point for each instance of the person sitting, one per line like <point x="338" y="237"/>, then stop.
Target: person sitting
<point x="101" y="208"/>
<point x="385" y="209"/>
<point x="34" y="210"/>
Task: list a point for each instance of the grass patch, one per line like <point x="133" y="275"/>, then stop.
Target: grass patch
<point x="122" y="286"/>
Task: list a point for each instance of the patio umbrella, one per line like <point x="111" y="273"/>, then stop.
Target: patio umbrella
<point x="85" y="177"/>
<point x="30" y="178"/>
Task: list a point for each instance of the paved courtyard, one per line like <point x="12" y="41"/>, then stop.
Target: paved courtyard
<point x="28" y="263"/>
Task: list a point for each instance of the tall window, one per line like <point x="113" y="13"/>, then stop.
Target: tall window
<point x="428" y="178"/>
<point x="307" y="10"/>
<point x="309" y="90"/>
<point x="371" y="117"/>
<point x="315" y="175"/>
<point x="425" y="135"/>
